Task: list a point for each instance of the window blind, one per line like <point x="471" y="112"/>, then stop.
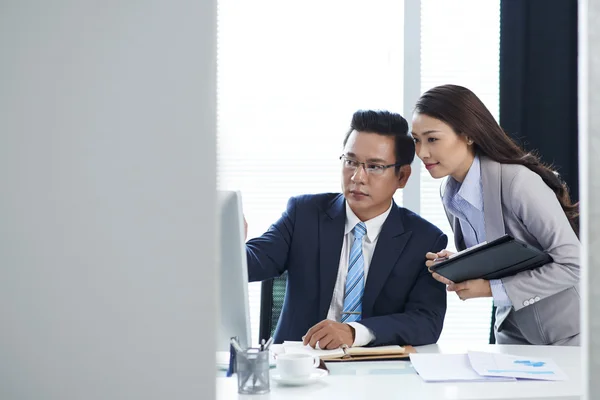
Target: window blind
<point x="460" y="44"/>
<point x="290" y="76"/>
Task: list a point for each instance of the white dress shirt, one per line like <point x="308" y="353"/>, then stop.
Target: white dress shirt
<point x="363" y="335"/>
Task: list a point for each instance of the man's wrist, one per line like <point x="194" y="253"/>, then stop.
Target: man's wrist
<point x="352" y="332"/>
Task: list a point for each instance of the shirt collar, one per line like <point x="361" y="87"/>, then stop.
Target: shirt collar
<point x="470" y="189"/>
<point x="373" y="225"/>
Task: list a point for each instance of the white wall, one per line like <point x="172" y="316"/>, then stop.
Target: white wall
<point x="589" y="148"/>
<point x="107" y="180"/>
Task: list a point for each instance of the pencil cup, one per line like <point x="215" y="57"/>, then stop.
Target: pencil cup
<point x="253" y="371"/>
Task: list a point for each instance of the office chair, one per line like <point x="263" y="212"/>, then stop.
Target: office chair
<point x="492" y="337"/>
<point x="271" y="302"/>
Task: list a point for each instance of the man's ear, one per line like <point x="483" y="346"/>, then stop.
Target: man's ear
<point x="403" y="175"/>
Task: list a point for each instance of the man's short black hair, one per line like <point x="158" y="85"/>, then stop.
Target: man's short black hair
<point x="387" y="124"/>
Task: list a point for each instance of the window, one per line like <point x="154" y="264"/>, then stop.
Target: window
<point x="291" y="74"/>
<point x="460" y="44"/>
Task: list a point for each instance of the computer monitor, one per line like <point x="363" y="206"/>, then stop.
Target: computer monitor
<point x="234" y="312"/>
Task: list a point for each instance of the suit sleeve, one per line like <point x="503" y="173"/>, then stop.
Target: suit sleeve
<point x="536" y="205"/>
<point x="422" y="320"/>
<point x="267" y="255"/>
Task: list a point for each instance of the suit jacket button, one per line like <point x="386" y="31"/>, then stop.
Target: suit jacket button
<point x="537" y="298"/>
<point x="526" y="303"/>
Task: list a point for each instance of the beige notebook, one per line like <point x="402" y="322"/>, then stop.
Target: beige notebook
<point x="352" y="353"/>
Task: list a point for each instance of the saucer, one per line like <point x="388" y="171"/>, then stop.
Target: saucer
<point x="316" y="375"/>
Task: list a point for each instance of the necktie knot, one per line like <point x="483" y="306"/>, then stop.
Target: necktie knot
<point x="359" y="230"/>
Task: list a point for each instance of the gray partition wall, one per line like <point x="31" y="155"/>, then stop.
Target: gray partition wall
<point x="589" y="135"/>
<point x="107" y="180"/>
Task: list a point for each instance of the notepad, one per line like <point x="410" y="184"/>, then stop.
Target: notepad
<point x="351" y="353"/>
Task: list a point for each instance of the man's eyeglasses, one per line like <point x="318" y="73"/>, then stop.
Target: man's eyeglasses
<point x="351" y="164"/>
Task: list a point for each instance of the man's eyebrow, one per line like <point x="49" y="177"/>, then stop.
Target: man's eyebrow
<point x="369" y="160"/>
<point x="376" y="160"/>
<point x="425" y="133"/>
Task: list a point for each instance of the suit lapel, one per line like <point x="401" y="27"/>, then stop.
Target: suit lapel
<point x="390" y="244"/>
<point x="331" y="237"/>
<point x="491" y="181"/>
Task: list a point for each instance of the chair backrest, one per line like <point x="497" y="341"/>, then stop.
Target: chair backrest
<point x="271" y="302"/>
<point x="492" y="336"/>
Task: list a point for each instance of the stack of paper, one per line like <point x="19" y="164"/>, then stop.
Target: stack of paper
<point x="480" y="366"/>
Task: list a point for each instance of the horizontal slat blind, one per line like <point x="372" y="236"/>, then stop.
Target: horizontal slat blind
<point x="460" y="44"/>
<point x="290" y="76"/>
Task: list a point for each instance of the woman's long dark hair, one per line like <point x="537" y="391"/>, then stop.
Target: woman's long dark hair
<point x="467" y="115"/>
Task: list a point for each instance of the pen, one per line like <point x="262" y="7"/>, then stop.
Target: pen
<point x="440" y="259"/>
<point x="232" y="361"/>
<point x="269" y="343"/>
<point x="235" y="344"/>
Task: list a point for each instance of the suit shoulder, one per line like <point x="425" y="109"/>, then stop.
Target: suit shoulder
<point x="517" y="174"/>
<point x="320" y="201"/>
<point x="418" y="224"/>
<point x="515" y="169"/>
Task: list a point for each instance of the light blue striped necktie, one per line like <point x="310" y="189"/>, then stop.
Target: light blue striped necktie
<point x="355" y="281"/>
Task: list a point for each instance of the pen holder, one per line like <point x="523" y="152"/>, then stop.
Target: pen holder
<point x="253" y="371"/>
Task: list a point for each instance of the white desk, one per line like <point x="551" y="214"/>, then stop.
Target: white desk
<point x="397" y="379"/>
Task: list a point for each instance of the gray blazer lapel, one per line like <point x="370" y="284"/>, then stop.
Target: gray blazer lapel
<point x="491" y="180"/>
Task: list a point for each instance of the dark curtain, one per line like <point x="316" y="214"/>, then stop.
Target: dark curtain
<point x="538" y="81"/>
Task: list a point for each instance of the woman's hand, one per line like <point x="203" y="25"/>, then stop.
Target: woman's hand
<point x="432" y="256"/>
<point x="430" y="261"/>
<point x="465" y="290"/>
<point x="471" y="289"/>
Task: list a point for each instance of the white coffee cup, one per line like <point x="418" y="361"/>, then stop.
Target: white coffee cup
<point x="296" y="365"/>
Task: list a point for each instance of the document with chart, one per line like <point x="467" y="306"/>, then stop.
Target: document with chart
<point x="520" y="367"/>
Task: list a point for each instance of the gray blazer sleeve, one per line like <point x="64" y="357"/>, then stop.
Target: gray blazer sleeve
<point x="533" y="207"/>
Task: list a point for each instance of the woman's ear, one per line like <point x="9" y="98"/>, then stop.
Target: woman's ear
<point x="403" y="175"/>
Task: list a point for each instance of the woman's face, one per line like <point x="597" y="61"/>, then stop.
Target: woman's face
<point x="442" y="150"/>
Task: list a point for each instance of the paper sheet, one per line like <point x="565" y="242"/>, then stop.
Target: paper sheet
<point x="298" y="347"/>
<point x="493" y="364"/>
<point x="448" y="368"/>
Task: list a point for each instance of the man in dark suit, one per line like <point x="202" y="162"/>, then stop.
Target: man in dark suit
<point x="355" y="260"/>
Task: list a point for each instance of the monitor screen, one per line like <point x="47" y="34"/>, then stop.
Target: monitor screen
<point x="234" y="313"/>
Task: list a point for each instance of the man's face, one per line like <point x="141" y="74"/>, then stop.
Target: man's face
<point x="369" y="193"/>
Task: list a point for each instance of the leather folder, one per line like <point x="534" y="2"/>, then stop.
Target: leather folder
<point x="497" y="259"/>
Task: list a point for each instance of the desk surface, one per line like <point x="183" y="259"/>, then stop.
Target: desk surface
<point x="397" y="379"/>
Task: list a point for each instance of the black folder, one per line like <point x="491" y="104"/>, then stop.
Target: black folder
<point x="497" y="259"/>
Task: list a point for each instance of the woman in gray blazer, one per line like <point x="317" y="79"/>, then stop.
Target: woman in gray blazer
<point x="492" y="188"/>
